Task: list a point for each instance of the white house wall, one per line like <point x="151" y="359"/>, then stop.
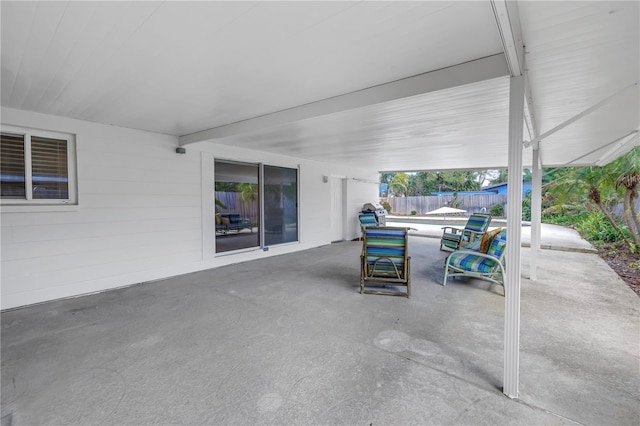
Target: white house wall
<point x="141" y="213"/>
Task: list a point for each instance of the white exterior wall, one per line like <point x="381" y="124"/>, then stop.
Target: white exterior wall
<point x="143" y="213"/>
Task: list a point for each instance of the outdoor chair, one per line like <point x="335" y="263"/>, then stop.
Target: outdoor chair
<point x="384" y="261"/>
<point x="366" y="220"/>
<point x="455" y="238"/>
<point x="472" y="262"/>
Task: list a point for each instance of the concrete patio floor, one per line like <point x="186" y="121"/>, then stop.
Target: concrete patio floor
<point x="289" y="340"/>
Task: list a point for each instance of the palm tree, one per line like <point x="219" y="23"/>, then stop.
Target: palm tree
<point x="400" y="183"/>
<point x="597" y="183"/>
<point x="627" y="168"/>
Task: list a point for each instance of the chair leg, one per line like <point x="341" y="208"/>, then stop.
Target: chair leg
<point x="408" y="278"/>
<point x="446" y="272"/>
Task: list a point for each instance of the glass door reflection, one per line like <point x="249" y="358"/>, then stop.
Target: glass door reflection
<point x="237" y="206"/>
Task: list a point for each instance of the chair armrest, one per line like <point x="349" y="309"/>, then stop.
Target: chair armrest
<point x="473" y="235"/>
<point x="453" y="230"/>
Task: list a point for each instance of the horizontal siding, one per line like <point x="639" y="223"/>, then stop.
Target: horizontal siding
<point x="110" y="261"/>
<point x="83" y="280"/>
<point x="140" y="214"/>
<point x="112" y="213"/>
<point x="88" y="246"/>
<point x="71" y="232"/>
<point x="99" y="201"/>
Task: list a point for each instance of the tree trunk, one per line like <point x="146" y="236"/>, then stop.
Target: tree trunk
<point x="594" y="195"/>
<point x="635" y="215"/>
<point x="629" y="216"/>
<point x="615" y="226"/>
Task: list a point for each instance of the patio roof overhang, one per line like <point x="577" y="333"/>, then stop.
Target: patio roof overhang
<point x="392" y="85"/>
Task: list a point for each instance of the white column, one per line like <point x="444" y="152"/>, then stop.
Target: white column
<point x="514" y="237"/>
<point x="536" y="213"/>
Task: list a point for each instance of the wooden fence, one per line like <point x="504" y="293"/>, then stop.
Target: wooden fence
<point x="423" y="204"/>
<point x="247" y="209"/>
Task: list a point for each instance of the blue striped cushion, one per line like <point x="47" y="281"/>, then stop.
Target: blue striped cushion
<point x="474" y="246"/>
<point x="498" y="245"/>
<point x="386" y="232"/>
<point x="450" y="240"/>
<point x="471" y="262"/>
<point x="367" y="219"/>
<point x="384" y="249"/>
<point x="478" y="223"/>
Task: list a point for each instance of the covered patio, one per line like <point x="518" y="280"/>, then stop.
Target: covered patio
<point x="228" y="346"/>
<point x="146" y="98"/>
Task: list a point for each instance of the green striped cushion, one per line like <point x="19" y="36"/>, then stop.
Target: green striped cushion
<point x="384" y="249"/>
<point x="478" y="223"/>
<point x="498" y="245"/>
<point x="450" y="240"/>
<point x="367" y="219"/>
<point x="470" y="262"/>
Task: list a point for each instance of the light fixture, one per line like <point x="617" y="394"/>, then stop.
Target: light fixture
<point x="181" y="150"/>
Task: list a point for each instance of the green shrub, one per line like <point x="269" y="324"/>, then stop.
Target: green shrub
<point x="526" y="207"/>
<point x="413" y="212"/>
<point x="496" y="210"/>
<point x="386" y="206"/>
<point x="561" y="219"/>
<point x="595" y="227"/>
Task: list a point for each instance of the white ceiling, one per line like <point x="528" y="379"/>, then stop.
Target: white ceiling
<point x="330" y="81"/>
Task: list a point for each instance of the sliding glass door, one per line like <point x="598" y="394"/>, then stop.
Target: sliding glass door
<point x="280" y="205"/>
<point x="237" y="206"/>
<point x="242" y="192"/>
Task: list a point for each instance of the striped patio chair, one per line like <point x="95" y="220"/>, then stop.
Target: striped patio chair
<point x="366" y="220"/>
<point x="385" y="261"/>
<point x="455" y="238"/>
<point x="471" y="262"/>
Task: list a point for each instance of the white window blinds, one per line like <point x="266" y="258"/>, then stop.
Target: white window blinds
<point x="50" y="177"/>
<point x="12" y="166"/>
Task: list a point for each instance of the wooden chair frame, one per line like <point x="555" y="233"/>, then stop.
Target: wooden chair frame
<point x="456" y="238"/>
<point x="382" y="264"/>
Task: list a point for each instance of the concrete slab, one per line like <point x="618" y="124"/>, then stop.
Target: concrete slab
<point x="289" y="340"/>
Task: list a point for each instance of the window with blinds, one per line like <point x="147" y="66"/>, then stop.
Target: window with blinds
<point x="49" y="171"/>
<point x="34" y="167"/>
<point x="12" y="178"/>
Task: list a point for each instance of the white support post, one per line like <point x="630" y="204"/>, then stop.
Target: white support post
<point x="536" y="213"/>
<point x="514" y="238"/>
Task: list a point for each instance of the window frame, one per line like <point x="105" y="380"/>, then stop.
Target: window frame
<point x="27" y="133"/>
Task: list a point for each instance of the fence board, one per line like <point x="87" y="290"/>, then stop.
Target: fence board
<point x="423" y="204"/>
<point x="247" y="209"/>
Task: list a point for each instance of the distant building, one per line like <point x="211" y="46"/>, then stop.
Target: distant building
<point x="459" y="193"/>
<point x="501" y="188"/>
<point x="384" y="190"/>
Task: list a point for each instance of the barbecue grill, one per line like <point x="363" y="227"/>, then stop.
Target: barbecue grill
<point x="378" y="211"/>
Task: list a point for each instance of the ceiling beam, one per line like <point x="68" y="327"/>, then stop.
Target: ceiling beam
<point x="577" y="117"/>
<point x="508" y="22"/>
<point x="529" y="115"/>
<point x="618" y="150"/>
<point x="467" y="73"/>
<point x="620" y="142"/>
